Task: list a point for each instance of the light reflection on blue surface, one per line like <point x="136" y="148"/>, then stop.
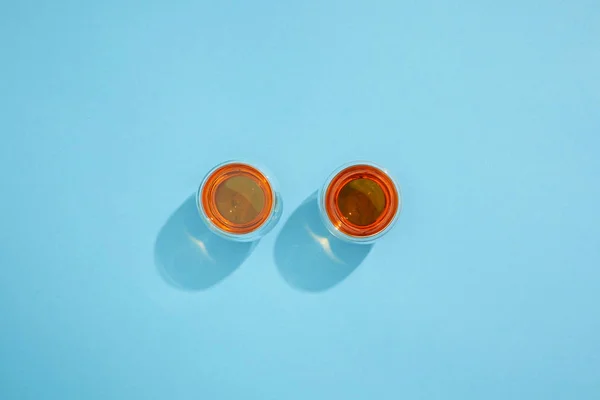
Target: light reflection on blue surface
<point x="189" y="256"/>
<point x="310" y="258"/>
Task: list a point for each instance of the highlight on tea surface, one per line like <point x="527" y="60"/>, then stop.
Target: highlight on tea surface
<point x="360" y="202"/>
<point x="238" y="201"/>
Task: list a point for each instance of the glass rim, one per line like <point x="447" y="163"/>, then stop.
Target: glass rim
<point x="332" y="215"/>
<point x="205" y="200"/>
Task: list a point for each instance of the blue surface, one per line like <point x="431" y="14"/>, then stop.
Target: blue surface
<point x="487" y="113"/>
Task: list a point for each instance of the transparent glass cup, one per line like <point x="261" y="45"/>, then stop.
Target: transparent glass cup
<point x="239" y="201"/>
<point x="360" y="202"/>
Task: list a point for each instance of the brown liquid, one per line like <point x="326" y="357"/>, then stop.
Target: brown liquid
<point x="361" y="201"/>
<point x="239" y="199"/>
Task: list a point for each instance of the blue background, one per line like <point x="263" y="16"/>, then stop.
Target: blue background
<point x="487" y="113"/>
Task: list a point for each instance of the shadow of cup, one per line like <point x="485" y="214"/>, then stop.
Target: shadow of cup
<point x="190" y="257"/>
<point x="309" y="257"/>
